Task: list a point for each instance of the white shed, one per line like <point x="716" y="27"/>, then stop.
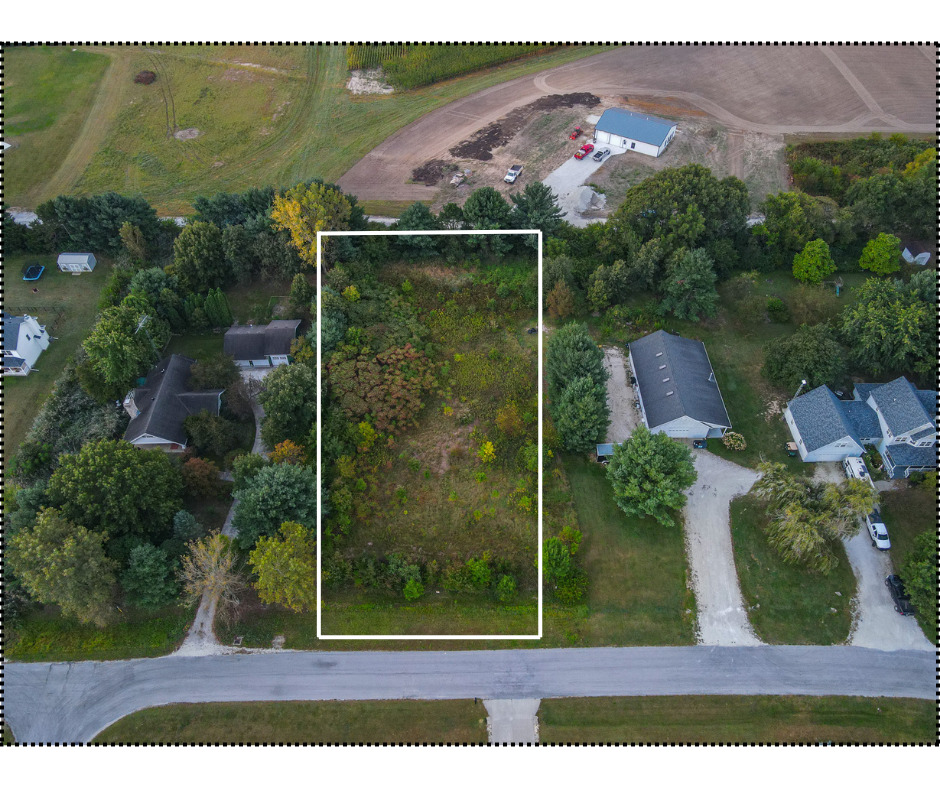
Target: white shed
<point x="77" y="262"/>
<point x="633" y="131"/>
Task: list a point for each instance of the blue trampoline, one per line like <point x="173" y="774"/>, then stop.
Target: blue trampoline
<point x="33" y="273"/>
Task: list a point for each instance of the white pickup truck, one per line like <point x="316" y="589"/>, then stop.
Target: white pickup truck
<point x="513" y="173"/>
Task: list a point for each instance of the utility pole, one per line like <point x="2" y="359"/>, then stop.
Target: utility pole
<point x="802" y="383"/>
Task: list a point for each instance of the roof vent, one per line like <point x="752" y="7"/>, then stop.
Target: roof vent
<point x="711" y="377"/>
<point x="662" y="366"/>
<point x="659" y="354"/>
<point x="670" y="393"/>
<point x="665" y="380"/>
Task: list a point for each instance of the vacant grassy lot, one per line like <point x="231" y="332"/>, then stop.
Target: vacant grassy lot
<point x="788" y="603"/>
<point x="197" y="346"/>
<point x="908" y="513"/>
<point x="66" y="305"/>
<point x="740" y="720"/>
<point x="637" y="568"/>
<point x="265" y="115"/>
<point x="44" y="636"/>
<point x="302" y="722"/>
<point x="49" y="93"/>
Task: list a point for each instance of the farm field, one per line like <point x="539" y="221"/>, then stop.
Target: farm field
<point x="49" y="93"/>
<point x="260" y="113"/>
<point x="788" y="604"/>
<point x="737" y="720"/>
<point x="301" y="722"/>
<point x="67" y="306"/>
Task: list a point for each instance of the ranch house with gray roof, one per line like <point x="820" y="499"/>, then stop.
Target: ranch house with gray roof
<point x="158" y="408"/>
<point x="676" y="387"/>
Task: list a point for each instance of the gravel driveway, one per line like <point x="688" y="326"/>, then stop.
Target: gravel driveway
<point x="877" y="624"/>
<point x="722" y="618"/>
<point x="568" y="181"/>
<point x="624" y="416"/>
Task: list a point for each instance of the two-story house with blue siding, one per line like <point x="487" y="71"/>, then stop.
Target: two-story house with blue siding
<point x="896" y="418"/>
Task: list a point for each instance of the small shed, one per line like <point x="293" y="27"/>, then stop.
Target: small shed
<point x="77" y="262"/>
<point x="633" y="131"/>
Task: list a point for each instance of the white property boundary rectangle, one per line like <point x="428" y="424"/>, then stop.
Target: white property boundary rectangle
<point x="322" y="234"/>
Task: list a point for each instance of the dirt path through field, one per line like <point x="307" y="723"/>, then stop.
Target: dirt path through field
<point x="767" y="90"/>
<point x="90" y="139"/>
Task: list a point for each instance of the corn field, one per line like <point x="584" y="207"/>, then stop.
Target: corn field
<point x="409" y="66"/>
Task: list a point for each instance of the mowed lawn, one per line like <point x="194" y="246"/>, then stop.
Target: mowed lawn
<point x="49" y="93"/>
<point x="74" y="299"/>
<point x="735" y="348"/>
<point x="303" y="722"/>
<point x="638" y="593"/>
<point x="788" y="603"/>
<point x="907" y="513"/>
<point x="723" y="719"/>
<point x="265" y="116"/>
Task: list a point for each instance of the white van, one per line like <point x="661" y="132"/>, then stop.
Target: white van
<point x="855" y="469"/>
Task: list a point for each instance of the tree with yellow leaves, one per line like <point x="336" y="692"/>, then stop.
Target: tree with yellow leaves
<point x="307" y="209"/>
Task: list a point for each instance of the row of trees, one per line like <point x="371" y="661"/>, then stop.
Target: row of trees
<point x="577" y="388"/>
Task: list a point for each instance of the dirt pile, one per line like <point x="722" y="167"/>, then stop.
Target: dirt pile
<point x="145" y="77"/>
<point x="431" y="172"/>
<point x="481" y="143"/>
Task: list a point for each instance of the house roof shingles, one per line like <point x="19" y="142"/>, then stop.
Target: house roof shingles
<point x="821" y="419"/>
<point x="251" y="342"/>
<point x="900" y="406"/>
<point x="691" y="379"/>
<point x="863" y="419"/>
<point x="635" y="126"/>
<point x="905" y="455"/>
<point x="11" y="331"/>
<point x="164" y="402"/>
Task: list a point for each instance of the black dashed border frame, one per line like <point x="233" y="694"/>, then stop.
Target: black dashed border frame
<point x="4" y="44"/>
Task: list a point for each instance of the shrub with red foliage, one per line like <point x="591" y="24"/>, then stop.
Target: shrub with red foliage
<point x="389" y="386"/>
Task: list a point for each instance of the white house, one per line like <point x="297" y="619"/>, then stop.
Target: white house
<point x="676" y="387"/>
<point x="897" y="419"/>
<point x="77" y="262"/>
<point x="23" y="342"/>
<point x="633" y="131"/>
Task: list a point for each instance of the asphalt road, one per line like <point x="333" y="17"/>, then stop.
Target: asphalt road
<point x="72" y="702"/>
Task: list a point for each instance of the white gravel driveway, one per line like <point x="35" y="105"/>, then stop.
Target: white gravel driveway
<point x="877" y="624"/>
<point x="567" y="182"/>
<point x="624" y="416"/>
<point x="722" y="617"/>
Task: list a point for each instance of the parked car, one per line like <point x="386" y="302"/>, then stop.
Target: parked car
<point x="584" y="150"/>
<point x="602" y="154"/>
<point x="902" y="602"/>
<point x="513" y="173"/>
<point x="575" y="134"/>
<point x="700" y="443"/>
<point x="877" y="530"/>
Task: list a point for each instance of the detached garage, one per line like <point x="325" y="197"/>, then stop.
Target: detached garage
<point x="676" y="387"/>
<point x="77" y="263"/>
<point x="633" y="131"/>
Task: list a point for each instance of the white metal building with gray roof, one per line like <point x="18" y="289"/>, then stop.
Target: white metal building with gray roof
<point x="676" y="387"/>
<point x="634" y="131"/>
